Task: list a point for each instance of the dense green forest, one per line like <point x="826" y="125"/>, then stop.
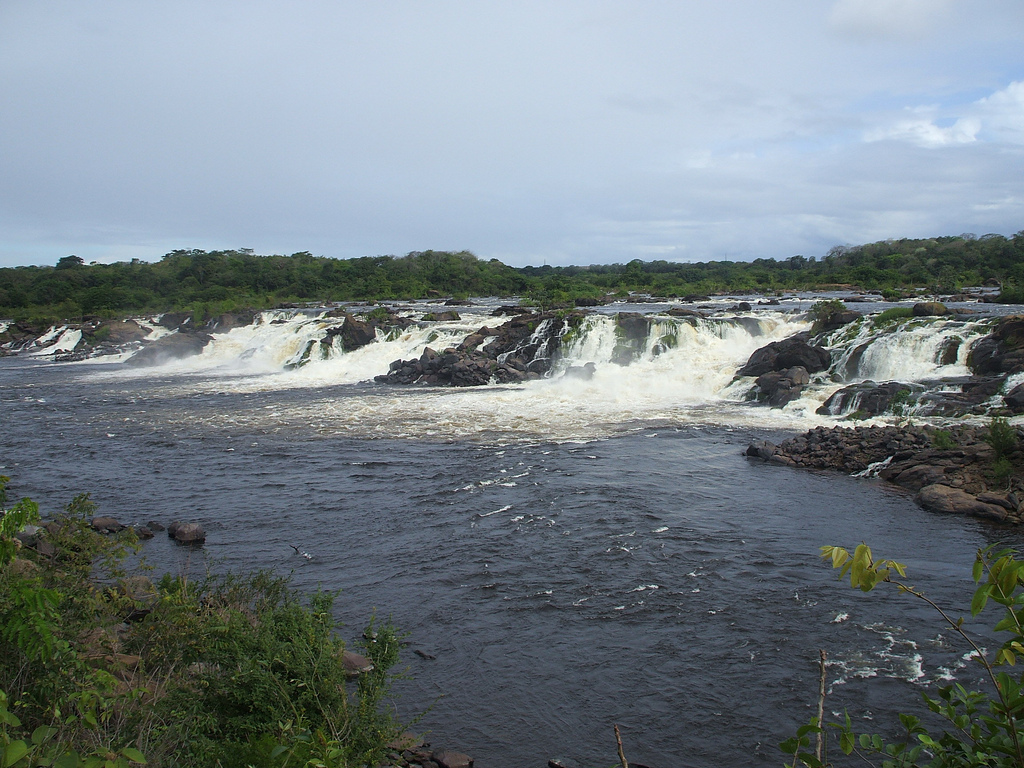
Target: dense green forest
<point x="210" y="282"/>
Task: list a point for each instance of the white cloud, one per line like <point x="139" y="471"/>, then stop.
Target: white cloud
<point x="925" y="133"/>
<point x="1003" y="112"/>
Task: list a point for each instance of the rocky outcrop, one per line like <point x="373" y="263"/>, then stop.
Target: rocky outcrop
<point x="174" y="346"/>
<point x="943" y="498"/>
<point x="1002" y="351"/>
<point x="866" y="399"/>
<point x="631" y="332"/>
<point x="780" y="387"/>
<point x="186" y="533"/>
<point x="950" y="471"/>
<point x="781" y="355"/>
<point x="930" y="309"/>
<point x="523" y="348"/>
<point x="455" y="368"/>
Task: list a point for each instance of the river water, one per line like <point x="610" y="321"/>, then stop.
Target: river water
<point x="571" y="554"/>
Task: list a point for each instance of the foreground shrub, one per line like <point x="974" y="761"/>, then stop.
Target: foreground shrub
<point x="230" y="670"/>
<point x="982" y="727"/>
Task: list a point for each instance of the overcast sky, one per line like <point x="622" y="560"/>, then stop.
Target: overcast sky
<point x="559" y="132"/>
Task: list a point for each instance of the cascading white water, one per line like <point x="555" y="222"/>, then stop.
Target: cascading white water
<point x="913" y="349"/>
<point x="58" y="339"/>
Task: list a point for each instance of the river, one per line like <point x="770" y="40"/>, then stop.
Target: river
<point x="571" y="554"/>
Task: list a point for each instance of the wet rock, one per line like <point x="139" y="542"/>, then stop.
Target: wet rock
<point x="143" y="532"/>
<point x="187" y="533"/>
<point x="228" y="320"/>
<point x="631" y="331"/>
<point x="781" y="355"/>
<point x="582" y="372"/>
<point x="106" y="525"/>
<point x="440" y="317"/>
<point x="153" y="525"/>
<point x="683" y="312"/>
<point x="175" y="346"/>
<point x="447" y="758"/>
<point x="865" y="398"/>
<point x="355" y="664"/>
<point x="942" y="498"/>
<point x="1014" y="399"/>
<point x="780" y="387"/>
<point x="1002" y="351"/>
<point x="930" y="309"/>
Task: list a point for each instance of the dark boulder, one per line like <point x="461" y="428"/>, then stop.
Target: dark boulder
<point x="1002" y="351"/>
<point x="780" y="387"/>
<point x="106" y="525"/>
<point x="943" y="498"/>
<point x="228" y="320"/>
<point x="187" y="533"/>
<point x="781" y="355"/>
<point x="631" y="332"/>
<point x="439" y="317"/>
<point x="930" y="309"/>
<point x="174" y="346"/>
<point x="1014" y="399"/>
<point x="866" y="398"/>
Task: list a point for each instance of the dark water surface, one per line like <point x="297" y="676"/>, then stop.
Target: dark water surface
<point x="656" y="579"/>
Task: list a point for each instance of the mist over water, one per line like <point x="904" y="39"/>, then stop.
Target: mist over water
<point x="573" y="553"/>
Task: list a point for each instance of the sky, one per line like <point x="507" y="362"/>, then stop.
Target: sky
<point x="534" y="132"/>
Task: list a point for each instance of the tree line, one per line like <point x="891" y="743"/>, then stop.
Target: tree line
<point x="209" y="282"/>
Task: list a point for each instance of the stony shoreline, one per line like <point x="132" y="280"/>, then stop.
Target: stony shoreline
<point x="950" y="470"/>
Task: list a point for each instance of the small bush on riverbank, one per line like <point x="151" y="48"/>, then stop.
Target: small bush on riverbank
<point x="228" y="670"/>
<point x="982" y="727"/>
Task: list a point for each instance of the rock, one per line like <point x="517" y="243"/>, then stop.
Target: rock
<point x="175" y="346"/>
<point x="143" y="532"/>
<point x="683" y="312"/>
<point x="563" y="762"/>
<point x="228" y="320"/>
<point x="999" y="499"/>
<point x="631" y="331"/>
<point x="106" y="525"/>
<point x="153" y="525"/>
<point x="187" y="533"/>
<point x="780" y="387"/>
<point x="582" y="372"/>
<point x="355" y="664"/>
<point x="865" y="398"/>
<point x="1002" y="351"/>
<point x="942" y="498"/>
<point x="116" y="332"/>
<point x="440" y="317"/>
<point x="780" y="355"/>
<point x="446" y="758"/>
<point x="1014" y="399"/>
<point x="356" y="333"/>
<point x="930" y="309"/>
<point x="918" y="476"/>
<point x="762" y="449"/>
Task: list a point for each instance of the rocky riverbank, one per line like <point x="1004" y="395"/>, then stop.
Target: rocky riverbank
<point x="956" y="470"/>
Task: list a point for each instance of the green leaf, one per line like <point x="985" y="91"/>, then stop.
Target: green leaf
<point x="14" y="752"/>
<point x="980" y="598"/>
<point x="134" y="755"/>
